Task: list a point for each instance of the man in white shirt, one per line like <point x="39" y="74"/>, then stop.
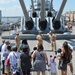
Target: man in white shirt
<point x="13" y="57"/>
<point x="4" y="48"/>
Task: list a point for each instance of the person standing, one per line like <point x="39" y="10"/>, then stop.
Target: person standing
<point x="41" y="59"/>
<point x="53" y="65"/>
<point x="7" y="67"/>
<point x="52" y="38"/>
<point x="70" y="63"/>
<point x="23" y="44"/>
<point x="4" y="48"/>
<point x="25" y="59"/>
<point x="64" y="59"/>
<point x="40" y="38"/>
<point x="3" y="41"/>
<point x="17" y="40"/>
<point x="13" y="57"/>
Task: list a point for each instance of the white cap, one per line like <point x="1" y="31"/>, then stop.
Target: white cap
<point x="50" y="32"/>
<point x="17" y="33"/>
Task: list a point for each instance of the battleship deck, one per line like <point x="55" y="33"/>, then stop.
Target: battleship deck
<point x="33" y="36"/>
<point x="67" y="35"/>
<point x="47" y="47"/>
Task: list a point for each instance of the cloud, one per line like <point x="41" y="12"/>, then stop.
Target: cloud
<point x="6" y="1"/>
<point x="12" y="11"/>
<point x="11" y="7"/>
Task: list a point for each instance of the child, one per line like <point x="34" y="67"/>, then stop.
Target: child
<point x="35" y="48"/>
<point x="52" y="65"/>
<point x="58" y="52"/>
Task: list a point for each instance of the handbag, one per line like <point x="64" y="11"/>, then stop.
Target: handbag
<point x="7" y="62"/>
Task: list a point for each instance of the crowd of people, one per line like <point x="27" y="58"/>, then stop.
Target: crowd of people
<point x="16" y="60"/>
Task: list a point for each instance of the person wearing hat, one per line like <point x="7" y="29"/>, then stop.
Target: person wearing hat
<point x="52" y="65"/>
<point x="17" y="40"/>
<point x="52" y="38"/>
<point x="40" y="38"/>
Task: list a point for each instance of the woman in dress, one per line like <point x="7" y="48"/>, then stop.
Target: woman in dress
<point x="40" y="59"/>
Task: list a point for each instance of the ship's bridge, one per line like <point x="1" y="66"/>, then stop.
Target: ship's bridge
<point x="37" y="4"/>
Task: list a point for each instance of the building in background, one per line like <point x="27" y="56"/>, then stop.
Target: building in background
<point x="70" y="16"/>
<point x="0" y="16"/>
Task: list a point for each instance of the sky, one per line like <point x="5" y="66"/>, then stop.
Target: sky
<point x="13" y="8"/>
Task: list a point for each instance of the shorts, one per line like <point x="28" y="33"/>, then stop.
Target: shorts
<point x="53" y="73"/>
<point x="13" y="68"/>
<point x="7" y="69"/>
<point x="62" y="67"/>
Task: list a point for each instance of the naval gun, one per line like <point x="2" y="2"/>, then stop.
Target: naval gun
<point x="42" y="17"/>
<point x="56" y="20"/>
<point x="28" y="21"/>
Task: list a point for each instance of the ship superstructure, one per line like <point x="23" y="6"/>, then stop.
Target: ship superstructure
<point x="41" y="17"/>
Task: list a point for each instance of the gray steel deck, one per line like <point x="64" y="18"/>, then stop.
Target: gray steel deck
<point x="47" y="47"/>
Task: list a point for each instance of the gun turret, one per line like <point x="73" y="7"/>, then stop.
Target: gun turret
<point x="56" y="19"/>
<point x="28" y="21"/>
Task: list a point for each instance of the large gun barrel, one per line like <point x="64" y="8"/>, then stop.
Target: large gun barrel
<point x="24" y="10"/>
<point x="34" y="14"/>
<point x="49" y="12"/>
<point x="56" y="20"/>
<point x="42" y="17"/>
<point x="42" y="21"/>
<point x="28" y="21"/>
